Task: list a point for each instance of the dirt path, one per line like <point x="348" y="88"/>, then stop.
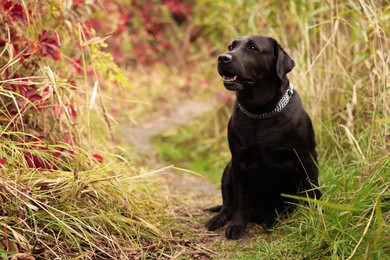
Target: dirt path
<point x="142" y="135"/>
<point x="188" y="193"/>
<point x="187" y="111"/>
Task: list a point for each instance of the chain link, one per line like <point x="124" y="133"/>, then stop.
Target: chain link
<point x="281" y="104"/>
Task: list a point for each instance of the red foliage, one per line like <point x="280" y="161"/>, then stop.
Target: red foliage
<point x="69" y="109"/>
<point x="78" y="2"/>
<point x="57" y="110"/>
<point x="49" y="44"/>
<point x="28" y="92"/>
<point x="37" y="161"/>
<point x="2" y="161"/>
<point x="30" y="52"/>
<point x="68" y="139"/>
<point x="179" y="9"/>
<point x="150" y="41"/>
<point x="77" y="66"/>
<point x="98" y="157"/>
<point x="12" y="11"/>
<point x="141" y="23"/>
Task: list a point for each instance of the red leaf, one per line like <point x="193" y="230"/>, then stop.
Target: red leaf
<point x="16" y="47"/>
<point x="2" y="161"/>
<point x="98" y="157"/>
<point x="10" y="87"/>
<point x="22" y="103"/>
<point x="30" y="93"/>
<point x="23" y="89"/>
<point x="71" y="110"/>
<point x="167" y="45"/>
<point x="34" y="97"/>
<point x="32" y="160"/>
<point x="15" y="11"/>
<point x="39" y="159"/>
<point x="70" y="152"/>
<point x="49" y="44"/>
<point x="68" y="138"/>
<point x="77" y="66"/>
<point x="47" y="90"/>
<point x="42" y="104"/>
<point x="57" y="111"/>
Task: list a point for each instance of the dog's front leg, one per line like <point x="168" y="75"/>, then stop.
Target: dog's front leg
<point x="225" y="212"/>
<point x="237" y="224"/>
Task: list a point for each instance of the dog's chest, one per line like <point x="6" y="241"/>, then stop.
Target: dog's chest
<point x="261" y="148"/>
<point x="246" y="135"/>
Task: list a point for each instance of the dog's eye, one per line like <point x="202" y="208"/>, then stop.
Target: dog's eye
<point x="230" y="47"/>
<point x="253" y="48"/>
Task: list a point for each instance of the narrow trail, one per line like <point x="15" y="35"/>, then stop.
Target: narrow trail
<point x="186" y="111"/>
<point x="141" y="137"/>
<point x="188" y="193"/>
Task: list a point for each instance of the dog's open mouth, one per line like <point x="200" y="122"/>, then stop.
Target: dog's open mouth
<point x="229" y="78"/>
<point x="231" y="81"/>
<point x="235" y="82"/>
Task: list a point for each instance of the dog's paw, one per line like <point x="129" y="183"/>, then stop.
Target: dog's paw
<point x="216" y="222"/>
<point x="234" y="231"/>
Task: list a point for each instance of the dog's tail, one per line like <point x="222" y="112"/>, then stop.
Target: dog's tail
<point x="214" y="209"/>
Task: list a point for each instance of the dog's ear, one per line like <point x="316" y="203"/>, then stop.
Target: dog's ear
<point x="284" y="63"/>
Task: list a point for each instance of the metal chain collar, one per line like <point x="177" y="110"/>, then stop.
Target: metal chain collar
<point x="279" y="106"/>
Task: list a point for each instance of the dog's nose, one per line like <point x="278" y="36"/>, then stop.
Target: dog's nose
<point x="225" y="58"/>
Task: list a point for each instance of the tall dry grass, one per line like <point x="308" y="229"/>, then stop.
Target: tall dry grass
<point x="341" y="49"/>
<point x="66" y="189"/>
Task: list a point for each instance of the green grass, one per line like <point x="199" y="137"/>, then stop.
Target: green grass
<point x="351" y="220"/>
<point x="86" y="209"/>
<point x="343" y="225"/>
<point x="82" y="208"/>
<point x="51" y="214"/>
<point x="342" y="69"/>
<point x="200" y="146"/>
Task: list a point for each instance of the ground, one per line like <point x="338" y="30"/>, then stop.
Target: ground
<point x="188" y="193"/>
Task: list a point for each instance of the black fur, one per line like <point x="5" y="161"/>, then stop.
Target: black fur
<point x="269" y="156"/>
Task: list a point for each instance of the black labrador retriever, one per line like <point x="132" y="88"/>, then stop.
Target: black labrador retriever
<point x="270" y="136"/>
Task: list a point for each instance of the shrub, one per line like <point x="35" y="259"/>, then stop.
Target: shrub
<point x="64" y="193"/>
<point x="145" y="33"/>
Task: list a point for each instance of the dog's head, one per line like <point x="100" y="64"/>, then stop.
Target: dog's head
<point x="251" y="60"/>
